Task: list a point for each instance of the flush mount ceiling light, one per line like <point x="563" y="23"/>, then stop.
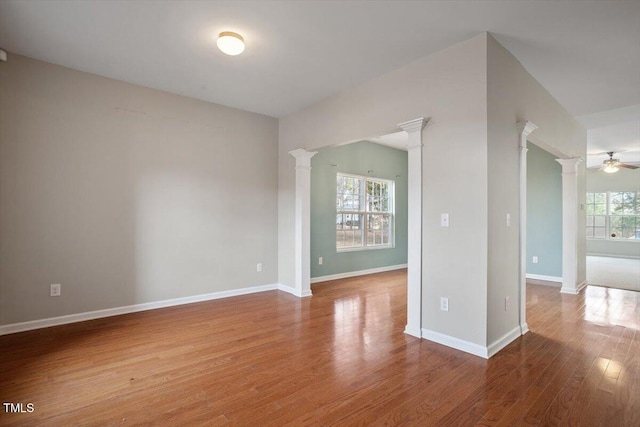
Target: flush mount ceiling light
<point x="230" y="43"/>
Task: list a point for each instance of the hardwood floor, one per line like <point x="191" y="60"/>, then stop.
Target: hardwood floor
<point x="338" y="358"/>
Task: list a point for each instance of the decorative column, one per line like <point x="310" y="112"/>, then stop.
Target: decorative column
<point x="303" y="221"/>
<point x="570" y="213"/>
<point x="524" y="129"/>
<point x="414" y="207"/>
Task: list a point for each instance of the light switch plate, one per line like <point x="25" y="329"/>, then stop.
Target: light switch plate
<point x="444" y="303"/>
<point x="55" y="290"/>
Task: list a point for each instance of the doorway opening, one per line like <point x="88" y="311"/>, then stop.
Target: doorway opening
<point x="413" y="130"/>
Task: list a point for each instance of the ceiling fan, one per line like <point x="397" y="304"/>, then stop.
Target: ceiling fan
<point x="612" y="165"/>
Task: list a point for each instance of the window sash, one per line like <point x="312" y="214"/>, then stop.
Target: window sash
<point x="364" y="212"/>
<point x="613" y="215"/>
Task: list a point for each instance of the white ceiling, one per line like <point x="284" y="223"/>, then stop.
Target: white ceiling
<point x="587" y="54"/>
<point x="613" y="130"/>
<point x="398" y="140"/>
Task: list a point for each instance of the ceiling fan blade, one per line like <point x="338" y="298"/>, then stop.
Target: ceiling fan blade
<point x="626" y="166"/>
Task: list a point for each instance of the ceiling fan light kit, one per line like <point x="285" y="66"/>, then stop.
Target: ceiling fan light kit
<point x="612" y="165"/>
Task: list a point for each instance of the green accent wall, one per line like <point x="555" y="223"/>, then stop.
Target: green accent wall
<point x="544" y="212"/>
<point x="358" y="158"/>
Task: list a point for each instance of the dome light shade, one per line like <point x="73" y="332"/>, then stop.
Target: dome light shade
<point x="611" y="166"/>
<point x="230" y="43"/>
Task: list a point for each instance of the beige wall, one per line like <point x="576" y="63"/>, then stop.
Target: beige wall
<point x="127" y="195"/>
<point x="474" y="93"/>
<point x="513" y="96"/>
<point x="450" y="88"/>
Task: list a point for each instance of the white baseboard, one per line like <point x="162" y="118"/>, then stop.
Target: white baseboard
<point x="545" y="278"/>
<point x="524" y="328"/>
<point x="414" y="332"/>
<point x="294" y="291"/>
<point x="97" y="314"/>
<point x="576" y="291"/>
<point x="582" y="285"/>
<point x="458" y="344"/>
<point x="503" y="341"/>
<point x="357" y="273"/>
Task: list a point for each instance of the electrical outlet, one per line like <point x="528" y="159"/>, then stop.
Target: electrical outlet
<point x="259" y="267"/>
<point x="320" y="261"/>
<point x="444" y="220"/>
<point x="508" y="220"/>
<point x="535" y="260"/>
<point x="444" y="304"/>
<point x="506" y="303"/>
<point x="55" y="290"/>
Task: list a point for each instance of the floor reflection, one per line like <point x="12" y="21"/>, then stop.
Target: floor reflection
<point x="612" y="307"/>
<point x="361" y="327"/>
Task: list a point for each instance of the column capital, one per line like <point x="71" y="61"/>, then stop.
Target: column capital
<point x="303" y="158"/>
<point x="301" y="153"/>
<point x="570" y="165"/>
<point x="414" y="125"/>
<point x="525" y="127"/>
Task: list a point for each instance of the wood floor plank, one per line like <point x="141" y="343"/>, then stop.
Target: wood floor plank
<point x="337" y="358"/>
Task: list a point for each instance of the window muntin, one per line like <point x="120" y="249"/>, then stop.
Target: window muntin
<point x="613" y="215"/>
<point x="364" y="212"/>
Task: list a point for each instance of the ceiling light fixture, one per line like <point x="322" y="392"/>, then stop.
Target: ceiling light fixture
<point x="611" y="166"/>
<point x="230" y="43"/>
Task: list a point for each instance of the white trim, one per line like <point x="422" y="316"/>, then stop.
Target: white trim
<point x="614" y="256"/>
<point x="458" y="344"/>
<point x="573" y="291"/>
<point x="302" y="221"/>
<point x="524" y="129"/>
<point x="571" y="212"/>
<point x="414" y="223"/>
<point x="366" y="248"/>
<point x="108" y="312"/>
<point x="504" y="341"/>
<point x="293" y="291"/>
<point x="364" y="213"/>
<point x="545" y="278"/>
<point x="320" y="279"/>
<point x="414" y="332"/>
<point x="414" y="125"/>
<point x="611" y="239"/>
<point x="524" y="328"/>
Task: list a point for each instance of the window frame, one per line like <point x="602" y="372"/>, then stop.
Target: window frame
<point x="364" y="212"/>
<point x="609" y="215"/>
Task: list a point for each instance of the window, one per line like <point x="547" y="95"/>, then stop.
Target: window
<point x="597" y="215"/>
<point x="613" y="215"/>
<point x="364" y="212"/>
